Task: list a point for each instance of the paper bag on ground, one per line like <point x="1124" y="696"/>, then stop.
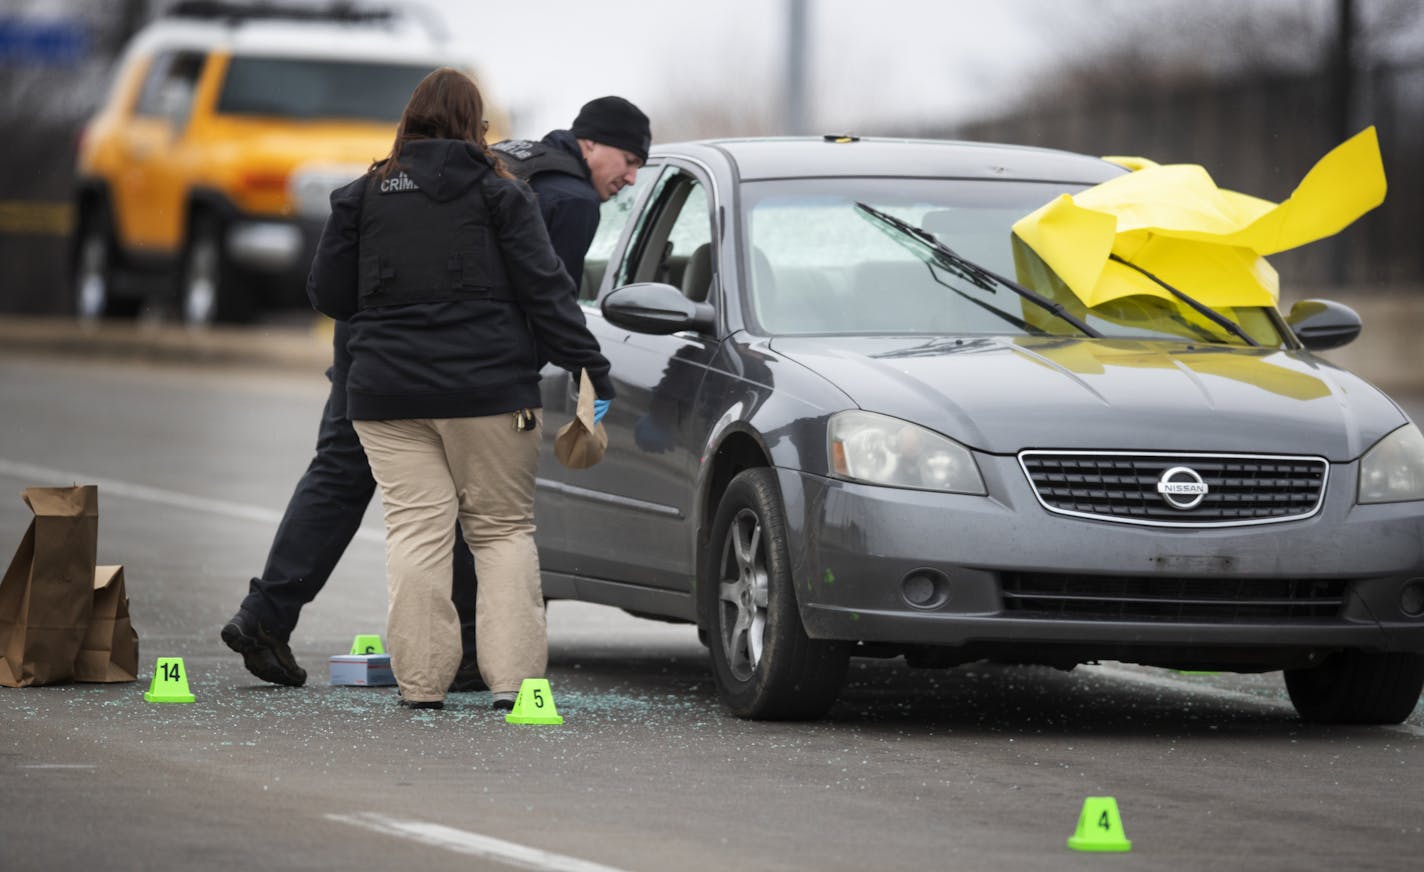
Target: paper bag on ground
<point x="110" y="648"/>
<point x="47" y="594"/>
<point x="581" y="443"/>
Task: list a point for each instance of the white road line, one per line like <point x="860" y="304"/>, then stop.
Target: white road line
<point x="45" y="476"/>
<point x="462" y="842"/>
<point x="1164" y="681"/>
<point x="58" y="766"/>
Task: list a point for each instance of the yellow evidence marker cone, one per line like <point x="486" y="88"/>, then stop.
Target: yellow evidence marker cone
<point x="367" y="644"/>
<point x="534" y="705"/>
<point x="1099" y="827"/>
<point x="170" y="682"/>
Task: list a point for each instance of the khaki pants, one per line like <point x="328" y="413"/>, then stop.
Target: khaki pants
<point x="481" y="470"/>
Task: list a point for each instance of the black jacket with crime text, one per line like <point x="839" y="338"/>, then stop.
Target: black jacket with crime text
<point x="446" y="277"/>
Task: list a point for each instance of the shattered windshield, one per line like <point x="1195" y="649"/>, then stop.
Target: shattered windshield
<point x="937" y="254"/>
<point x="817" y="266"/>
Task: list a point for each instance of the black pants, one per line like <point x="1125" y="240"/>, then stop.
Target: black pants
<point x="324" y="513"/>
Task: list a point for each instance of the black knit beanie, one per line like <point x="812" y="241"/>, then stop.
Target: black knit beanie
<point x="616" y="122"/>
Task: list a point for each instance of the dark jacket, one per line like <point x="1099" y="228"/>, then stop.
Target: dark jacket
<point x="569" y="205"/>
<point x="455" y="356"/>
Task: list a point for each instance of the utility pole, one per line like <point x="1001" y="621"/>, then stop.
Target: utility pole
<point x="1342" y="70"/>
<point x="1342" y="90"/>
<point x="795" y="110"/>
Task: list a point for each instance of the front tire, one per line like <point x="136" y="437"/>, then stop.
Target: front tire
<point x="95" y="271"/>
<point x="1358" y="687"/>
<point x="765" y="665"/>
<point x="208" y="291"/>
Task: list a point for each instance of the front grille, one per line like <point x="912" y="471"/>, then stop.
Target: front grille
<point x="1122" y="487"/>
<point x="1185" y="600"/>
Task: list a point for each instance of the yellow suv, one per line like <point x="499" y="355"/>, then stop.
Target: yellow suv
<point x="226" y="129"/>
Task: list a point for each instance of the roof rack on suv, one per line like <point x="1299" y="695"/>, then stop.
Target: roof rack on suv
<point x="237" y="13"/>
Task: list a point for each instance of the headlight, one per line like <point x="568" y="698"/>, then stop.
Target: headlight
<point x="1393" y="471"/>
<point x="882" y="450"/>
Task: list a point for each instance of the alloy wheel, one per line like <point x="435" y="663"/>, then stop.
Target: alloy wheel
<point x="742" y="594"/>
<point x="91" y="281"/>
<point x="200" y="282"/>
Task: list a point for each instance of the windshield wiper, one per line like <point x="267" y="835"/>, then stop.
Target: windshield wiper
<point x="983" y="304"/>
<point x="1201" y="308"/>
<point x="984" y="278"/>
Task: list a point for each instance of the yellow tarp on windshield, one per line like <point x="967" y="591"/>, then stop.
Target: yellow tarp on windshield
<point x="1174" y="222"/>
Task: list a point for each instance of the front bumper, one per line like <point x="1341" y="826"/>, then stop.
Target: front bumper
<point x="270" y="246"/>
<point x="853" y="546"/>
<point x="279" y="252"/>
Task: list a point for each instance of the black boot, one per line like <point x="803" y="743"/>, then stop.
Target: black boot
<point x="468" y="678"/>
<point x="264" y="655"/>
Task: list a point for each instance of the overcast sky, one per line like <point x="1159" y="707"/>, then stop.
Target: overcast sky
<point x="900" y="60"/>
<point x="882" y="66"/>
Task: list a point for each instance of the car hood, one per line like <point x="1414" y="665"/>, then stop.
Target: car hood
<point x="1003" y="395"/>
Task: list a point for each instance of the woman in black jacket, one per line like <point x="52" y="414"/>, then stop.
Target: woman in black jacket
<point x="438" y="259"/>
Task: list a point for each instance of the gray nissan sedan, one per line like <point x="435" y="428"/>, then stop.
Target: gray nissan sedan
<point x="848" y="424"/>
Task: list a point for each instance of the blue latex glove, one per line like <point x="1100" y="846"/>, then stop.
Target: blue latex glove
<point x="600" y="408"/>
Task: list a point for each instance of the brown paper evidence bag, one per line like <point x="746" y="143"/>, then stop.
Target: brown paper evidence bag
<point x="581" y="443"/>
<point x="62" y="618"/>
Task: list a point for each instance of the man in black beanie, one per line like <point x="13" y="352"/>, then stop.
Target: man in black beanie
<point x="573" y="171"/>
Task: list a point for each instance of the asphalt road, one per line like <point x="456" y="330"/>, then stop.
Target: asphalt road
<point x="981" y="767"/>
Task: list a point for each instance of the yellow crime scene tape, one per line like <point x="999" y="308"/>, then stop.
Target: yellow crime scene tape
<point x="36" y="217"/>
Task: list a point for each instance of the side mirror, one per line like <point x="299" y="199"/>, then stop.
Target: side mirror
<point x="1322" y="324"/>
<point x="654" y="307"/>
